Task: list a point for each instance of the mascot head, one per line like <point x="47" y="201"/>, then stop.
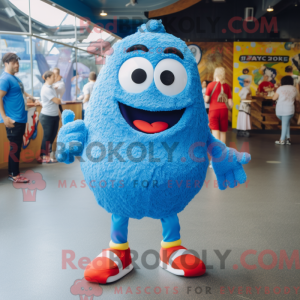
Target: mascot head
<point x="151" y="80"/>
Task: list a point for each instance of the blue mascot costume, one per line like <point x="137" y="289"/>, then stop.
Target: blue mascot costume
<point x="145" y="134"/>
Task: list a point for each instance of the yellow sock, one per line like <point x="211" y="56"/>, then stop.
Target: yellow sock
<point x="118" y="246"/>
<point x="171" y="244"/>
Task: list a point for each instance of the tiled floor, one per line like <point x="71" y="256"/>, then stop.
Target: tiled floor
<point x="38" y="238"/>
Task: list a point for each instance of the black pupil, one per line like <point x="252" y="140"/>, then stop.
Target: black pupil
<point x="139" y="76"/>
<point x="167" y="77"/>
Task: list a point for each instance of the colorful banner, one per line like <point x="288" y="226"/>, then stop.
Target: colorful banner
<point x="31" y="126"/>
<point x="253" y="60"/>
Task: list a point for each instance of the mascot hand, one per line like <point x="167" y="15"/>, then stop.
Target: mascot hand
<point x="71" y="137"/>
<point x="227" y="164"/>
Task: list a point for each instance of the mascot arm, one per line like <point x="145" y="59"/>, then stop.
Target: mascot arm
<point x="227" y="163"/>
<point x="71" y="138"/>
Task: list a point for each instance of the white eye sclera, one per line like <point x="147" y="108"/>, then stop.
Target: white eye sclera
<point x="170" y="77"/>
<point x="136" y="75"/>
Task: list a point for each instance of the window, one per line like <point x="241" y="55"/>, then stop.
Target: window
<point x="18" y="44"/>
<point x="46" y="56"/>
<point x="86" y="63"/>
<point x="53" y="35"/>
<point x="14" y="15"/>
<point x="51" y="23"/>
<point x="94" y="39"/>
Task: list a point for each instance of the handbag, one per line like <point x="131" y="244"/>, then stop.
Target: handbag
<point x="212" y="92"/>
<point x="223" y="98"/>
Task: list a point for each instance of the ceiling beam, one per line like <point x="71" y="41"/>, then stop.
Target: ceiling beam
<point x="170" y="9"/>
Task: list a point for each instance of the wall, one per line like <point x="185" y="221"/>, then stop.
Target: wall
<point x="215" y="54"/>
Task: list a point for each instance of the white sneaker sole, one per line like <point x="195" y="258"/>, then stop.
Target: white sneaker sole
<point x="170" y="269"/>
<point x="120" y="274"/>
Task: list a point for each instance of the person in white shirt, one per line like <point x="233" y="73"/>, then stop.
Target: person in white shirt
<point x="286" y="95"/>
<point x="59" y="85"/>
<point x="87" y="92"/>
<point x="49" y="117"/>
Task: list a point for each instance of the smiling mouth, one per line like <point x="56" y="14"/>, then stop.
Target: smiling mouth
<point x="150" y="121"/>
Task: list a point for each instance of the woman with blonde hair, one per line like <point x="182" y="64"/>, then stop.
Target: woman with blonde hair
<point x="218" y="94"/>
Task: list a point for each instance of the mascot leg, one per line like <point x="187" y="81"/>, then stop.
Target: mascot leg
<point x="115" y="262"/>
<point x="175" y="258"/>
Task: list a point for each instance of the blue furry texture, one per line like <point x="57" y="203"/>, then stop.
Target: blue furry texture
<point x="67" y="116"/>
<point x="152" y="26"/>
<point x="71" y="138"/>
<point x="152" y="186"/>
<point x="227" y="164"/>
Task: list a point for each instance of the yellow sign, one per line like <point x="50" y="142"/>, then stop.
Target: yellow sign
<point x="253" y="60"/>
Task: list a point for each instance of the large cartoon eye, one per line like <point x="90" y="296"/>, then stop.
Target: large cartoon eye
<point x="136" y="74"/>
<point x="170" y="77"/>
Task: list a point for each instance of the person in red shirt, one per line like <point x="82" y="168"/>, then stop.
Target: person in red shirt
<point x="265" y="84"/>
<point x="218" y="111"/>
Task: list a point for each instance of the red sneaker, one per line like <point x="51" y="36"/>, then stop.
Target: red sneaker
<point x="179" y="261"/>
<point x="109" y="266"/>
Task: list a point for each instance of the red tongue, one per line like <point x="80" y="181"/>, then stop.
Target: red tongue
<point x="150" y="128"/>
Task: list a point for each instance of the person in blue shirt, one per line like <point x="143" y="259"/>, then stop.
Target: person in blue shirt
<point x="12" y="109"/>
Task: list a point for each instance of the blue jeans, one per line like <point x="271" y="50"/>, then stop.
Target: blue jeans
<point x="119" y="229"/>
<point x="285" y="126"/>
<point x="83" y="112"/>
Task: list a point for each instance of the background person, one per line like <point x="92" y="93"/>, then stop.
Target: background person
<point x="204" y="86"/>
<point x="285" y="95"/>
<point x="243" y="122"/>
<point x="59" y="85"/>
<point x="87" y="92"/>
<point x="13" y="100"/>
<point x="49" y="117"/>
<point x="265" y="86"/>
<point x="218" y="111"/>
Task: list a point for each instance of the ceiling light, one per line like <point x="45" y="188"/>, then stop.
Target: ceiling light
<point x="103" y="13"/>
<point x="269" y="9"/>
